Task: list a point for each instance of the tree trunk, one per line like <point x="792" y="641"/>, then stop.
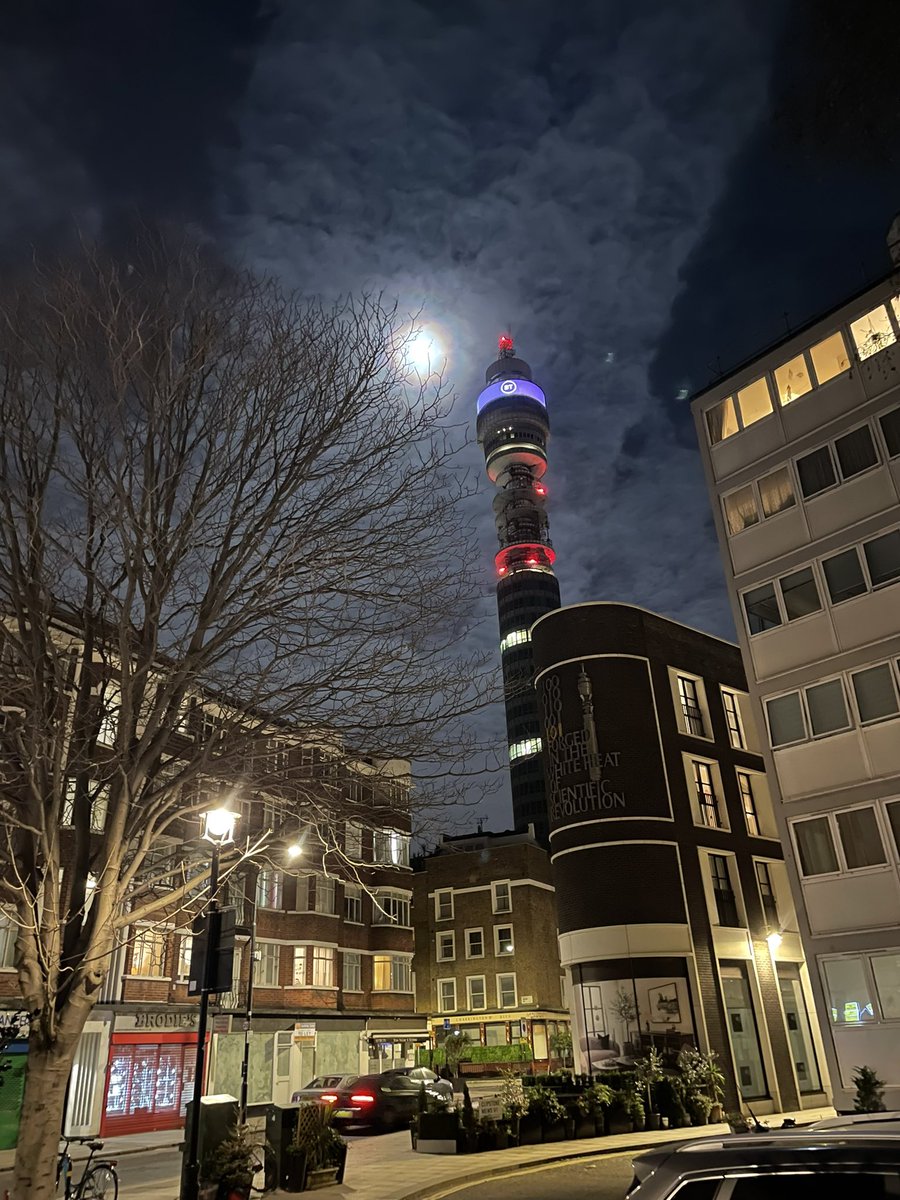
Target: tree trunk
<point x="42" y="1115"/>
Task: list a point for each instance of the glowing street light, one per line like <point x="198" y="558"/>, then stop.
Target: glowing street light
<point x="217" y="826"/>
<point x="294" y="850"/>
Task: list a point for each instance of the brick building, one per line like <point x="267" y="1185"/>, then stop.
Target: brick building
<point x="485" y="936"/>
<point x="675" y="915"/>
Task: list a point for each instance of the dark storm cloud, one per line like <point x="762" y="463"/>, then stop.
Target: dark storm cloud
<point x="551" y="167"/>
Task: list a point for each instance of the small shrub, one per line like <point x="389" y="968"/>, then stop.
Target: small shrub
<point x="869" y="1091"/>
<point x="543" y="1103"/>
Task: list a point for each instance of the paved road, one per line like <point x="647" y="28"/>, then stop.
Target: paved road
<point x="606" y="1178"/>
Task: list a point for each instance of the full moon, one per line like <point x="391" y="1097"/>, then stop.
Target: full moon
<point x="424" y="352"/>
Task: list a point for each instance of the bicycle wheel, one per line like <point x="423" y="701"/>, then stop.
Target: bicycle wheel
<point x="100" y="1183"/>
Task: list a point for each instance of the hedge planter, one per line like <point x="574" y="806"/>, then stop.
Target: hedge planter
<point x="322" y="1177"/>
<point x="585" y="1126"/>
<point x="436" y="1133"/>
<point x="654" y="1121"/>
<point x="619" y="1123"/>
<point x="555" y="1132"/>
<point x="530" y="1131"/>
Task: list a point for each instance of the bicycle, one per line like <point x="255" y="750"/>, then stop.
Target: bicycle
<point x="98" y="1181"/>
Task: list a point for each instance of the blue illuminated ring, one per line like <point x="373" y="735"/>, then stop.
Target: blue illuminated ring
<point x="508" y="389"/>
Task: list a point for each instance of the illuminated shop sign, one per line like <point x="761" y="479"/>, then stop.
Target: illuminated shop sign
<point x="504" y="389"/>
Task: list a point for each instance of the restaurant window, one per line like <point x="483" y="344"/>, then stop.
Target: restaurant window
<point x="829" y="357"/>
<point x="872" y="332"/>
<point x="792" y="380"/>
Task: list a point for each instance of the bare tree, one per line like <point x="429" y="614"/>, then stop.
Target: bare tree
<point x="229" y="532"/>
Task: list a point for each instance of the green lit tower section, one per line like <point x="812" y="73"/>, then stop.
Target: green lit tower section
<point x="513" y="431"/>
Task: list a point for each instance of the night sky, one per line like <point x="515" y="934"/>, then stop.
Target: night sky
<point x="644" y="193"/>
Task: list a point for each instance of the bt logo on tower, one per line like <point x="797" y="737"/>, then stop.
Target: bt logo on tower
<point x="507" y="386"/>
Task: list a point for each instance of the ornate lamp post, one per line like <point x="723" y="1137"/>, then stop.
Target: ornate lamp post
<point x="217" y="828"/>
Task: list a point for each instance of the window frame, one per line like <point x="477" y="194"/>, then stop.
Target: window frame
<point x="882" y="825"/>
<point x="694" y="683"/>
<point x="353" y="895"/>
<point x="734" y="697"/>
<point x="733" y="890"/>
<point x="299" y="955"/>
<point x="773" y="918"/>
<point x="320" y="955"/>
<point x="699" y="766"/>
<point x="515" y="987"/>
<point x="893" y="669"/>
<point x="144" y="935"/>
<point x="351" y="954"/>
<point x="269" y="954"/>
<point x="495" y="884"/>
<point x="469" y="1003"/>
<point x="753" y="810"/>
<point x="439" y="893"/>
<point x="439" y="994"/>
<point x="440" y="934"/>
<point x="479" y="929"/>
<point x="498" y="953"/>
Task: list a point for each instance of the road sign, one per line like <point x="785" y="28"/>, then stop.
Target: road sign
<point x="446" y="1022"/>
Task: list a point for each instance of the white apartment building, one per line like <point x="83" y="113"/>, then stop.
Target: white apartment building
<point x="801" y="447"/>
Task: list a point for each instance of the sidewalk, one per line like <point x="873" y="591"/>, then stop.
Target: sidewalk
<point x="115" y="1147"/>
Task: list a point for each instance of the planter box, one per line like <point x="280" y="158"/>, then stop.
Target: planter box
<point x="322" y="1177"/>
<point x="441" y="1126"/>
<point x="436" y="1145"/>
<point x="530" y="1131"/>
<point x="615" y="1124"/>
<point x="585" y="1126"/>
<point x="555" y="1133"/>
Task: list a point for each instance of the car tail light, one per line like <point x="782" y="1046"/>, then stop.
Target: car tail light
<point x="329" y="1097"/>
<point x="363" y="1098"/>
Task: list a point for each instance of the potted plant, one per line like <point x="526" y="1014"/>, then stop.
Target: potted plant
<point x="648" y="1072"/>
<point x="561" y="1045"/>
<point x="318" y="1152"/>
<point x="703" y="1083"/>
<point x="454" y="1047"/>
<point x="619" y="1118"/>
<point x="869" y="1091"/>
<point x="467" y="1132"/>
<point x="624" y="1007"/>
<point x="436" y="1126"/>
<point x="599" y="1097"/>
<point x="228" y="1171"/>
<point x="582" y="1118"/>
<point x="512" y="1097"/>
<point x="543" y="1103"/>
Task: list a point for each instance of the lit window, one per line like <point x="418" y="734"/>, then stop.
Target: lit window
<point x="849" y="998"/>
<point x="816" y="472"/>
<point x="792" y="380"/>
<point x="786" y="724"/>
<point x="524" y="749"/>
<point x="815" y="846"/>
<point x="298" y="973"/>
<point x="690" y="706"/>
<point x="721" y="421"/>
<point x="740" y="509"/>
<point x="391" y="908"/>
<point x="324" y="898"/>
<point x="518" y="637"/>
<point x="148" y="953"/>
<point x="731" y="704"/>
<point x="767" y="895"/>
<point x="830" y="357"/>
<point x="352" y="971"/>
<point x="269" y="889"/>
<point x="723" y="892"/>
<point x="748" y="803"/>
<point x="477" y="992"/>
<point x="886" y="969"/>
<point x="876" y="696"/>
<point x="185" y="946"/>
<point x="754" y="402"/>
<point x="446" y="995"/>
<point x="323" y="966"/>
<point x="872" y="332"/>
<point x="446" y="946"/>
<point x="860" y="839"/>
<point x="9" y="932"/>
<point x="353" y="840"/>
<point x="776" y="491"/>
<point x="506" y="991"/>
<point x="762" y="609"/>
<point x="827" y="707"/>
<point x="800" y="594"/>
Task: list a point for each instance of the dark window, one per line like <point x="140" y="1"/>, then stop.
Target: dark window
<point x="875" y="694"/>
<point x="800" y="594"/>
<point x="748" y="801"/>
<point x="726" y="904"/>
<point x="767" y="894"/>
<point x="844" y="576"/>
<point x="860" y="838"/>
<point x="816" y="846"/>
<point x="893" y="812"/>
<point x="762" y="608"/>
<point x="707" y="799"/>
<point x="868" y="1183"/>
<point x="890" y="427"/>
<point x="690" y="706"/>
<point x="816" y="472"/>
<point x="883" y="557"/>
<point x="856" y="452"/>
<point x="827" y="707"/>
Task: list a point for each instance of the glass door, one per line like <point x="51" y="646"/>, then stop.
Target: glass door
<point x="743" y="1032"/>
<point x="798" y="1029"/>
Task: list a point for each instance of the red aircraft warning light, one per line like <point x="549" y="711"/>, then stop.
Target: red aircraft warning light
<point x="504" y="342"/>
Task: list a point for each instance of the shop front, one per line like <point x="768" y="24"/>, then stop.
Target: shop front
<point x="150" y="1077"/>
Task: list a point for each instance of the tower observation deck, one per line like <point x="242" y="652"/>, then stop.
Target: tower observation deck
<point x="513" y="430"/>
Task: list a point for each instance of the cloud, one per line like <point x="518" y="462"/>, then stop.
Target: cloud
<point x="503" y="166"/>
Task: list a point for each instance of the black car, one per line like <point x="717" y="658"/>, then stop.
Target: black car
<point x="386" y="1101"/>
<point x="324" y="1087"/>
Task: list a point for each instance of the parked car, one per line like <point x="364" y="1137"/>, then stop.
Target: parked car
<point x="386" y="1101"/>
<point x="792" y="1164"/>
<point x="323" y="1087"/>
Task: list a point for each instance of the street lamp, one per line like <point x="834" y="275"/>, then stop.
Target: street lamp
<point x="217" y="828"/>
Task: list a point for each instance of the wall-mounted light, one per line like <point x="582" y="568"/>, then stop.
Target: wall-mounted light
<point x="774" y="940"/>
